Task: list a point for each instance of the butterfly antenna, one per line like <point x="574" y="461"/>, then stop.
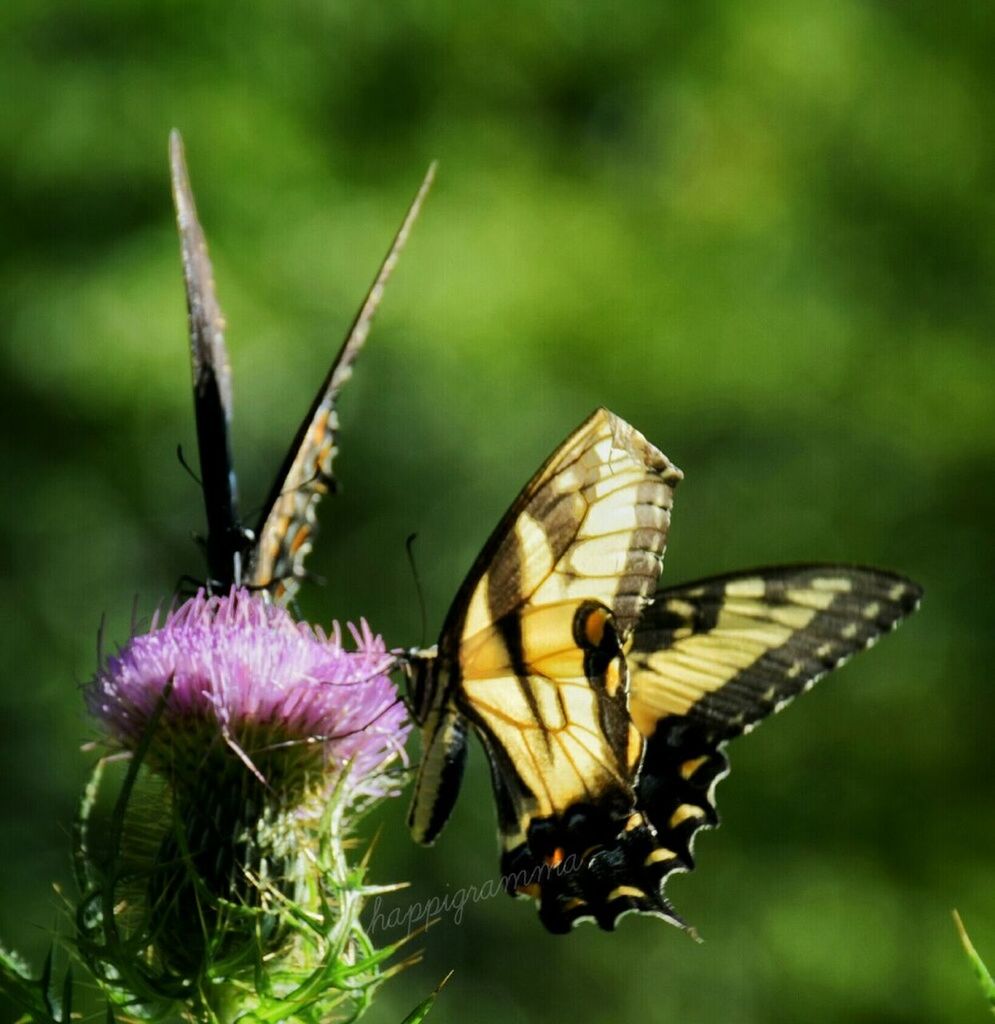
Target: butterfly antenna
<point x="409" y="547"/>
<point x="330" y="737"/>
<point x="101" y="631"/>
<point x="186" y="465"/>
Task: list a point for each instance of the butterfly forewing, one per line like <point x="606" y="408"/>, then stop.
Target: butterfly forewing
<point x="288" y="523"/>
<point x="707" y="662"/>
<point x="571" y="567"/>
<point x="226" y="540"/>
<point x="728" y="651"/>
<point x="591" y="525"/>
<point x="270" y="559"/>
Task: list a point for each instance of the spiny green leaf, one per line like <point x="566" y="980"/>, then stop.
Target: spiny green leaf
<point x="420" y="1012"/>
<point x="984" y="975"/>
<point x="25" y="992"/>
<point x="67" y="996"/>
<point x="45" y="981"/>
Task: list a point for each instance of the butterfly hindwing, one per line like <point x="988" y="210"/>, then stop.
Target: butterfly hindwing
<point x="711" y="659"/>
<point x="440" y="772"/>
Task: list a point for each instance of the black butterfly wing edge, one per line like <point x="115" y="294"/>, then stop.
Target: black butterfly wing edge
<point x="212" y="388"/>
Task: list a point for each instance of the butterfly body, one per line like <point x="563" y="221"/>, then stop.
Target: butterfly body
<point x="604" y="705"/>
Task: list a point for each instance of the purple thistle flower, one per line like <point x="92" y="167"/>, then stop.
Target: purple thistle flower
<point x="262" y="735"/>
<point x="263" y="682"/>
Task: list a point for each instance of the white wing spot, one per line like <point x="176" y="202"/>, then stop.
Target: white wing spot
<point x="836" y="584"/>
<point x="753" y="587"/>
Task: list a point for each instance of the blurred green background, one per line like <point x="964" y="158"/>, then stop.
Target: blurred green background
<point x="761" y="232"/>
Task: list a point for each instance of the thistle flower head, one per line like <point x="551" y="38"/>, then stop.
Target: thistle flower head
<point x="244" y="670"/>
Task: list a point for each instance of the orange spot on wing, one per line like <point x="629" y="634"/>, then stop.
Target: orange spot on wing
<point x="594" y="626"/>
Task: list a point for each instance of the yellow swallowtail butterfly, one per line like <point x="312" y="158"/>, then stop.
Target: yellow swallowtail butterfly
<point x="603" y="705"/>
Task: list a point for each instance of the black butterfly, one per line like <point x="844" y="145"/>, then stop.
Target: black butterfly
<point x="603" y="704"/>
<point x="269" y="556"/>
